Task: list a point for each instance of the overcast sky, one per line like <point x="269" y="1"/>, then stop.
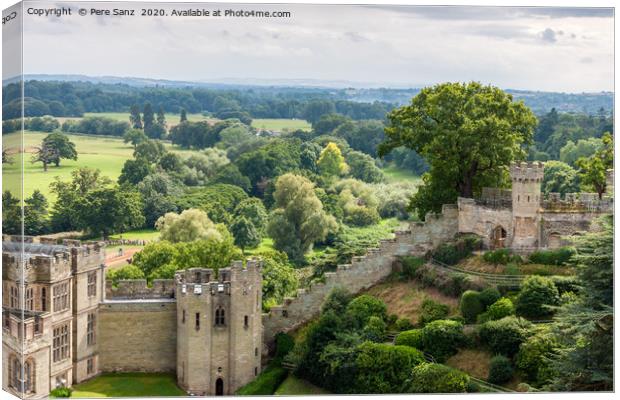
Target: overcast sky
<point x="553" y="49"/>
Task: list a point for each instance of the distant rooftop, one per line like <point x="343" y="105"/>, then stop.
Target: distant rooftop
<point x="33" y="249"/>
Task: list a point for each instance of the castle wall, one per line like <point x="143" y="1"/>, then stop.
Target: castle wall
<point x="557" y="226"/>
<point x="138" y="335"/>
<point x="363" y="272"/>
<point x="482" y="219"/>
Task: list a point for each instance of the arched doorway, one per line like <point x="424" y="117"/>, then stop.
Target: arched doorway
<point x="554" y="240"/>
<point x="219" y="387"/>
<point x="498" y="237"/>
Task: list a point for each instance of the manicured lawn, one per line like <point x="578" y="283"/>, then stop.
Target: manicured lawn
<point x="265" y="245"/>
<point x="108" y="154"/>
<point x="295" y="386"/>
<point x="129" y="385"/>
<point x="394" y="174"/>
<point x="266" y="383"/>
<point x="140" y="234"/>
<point x="281" y="124"/>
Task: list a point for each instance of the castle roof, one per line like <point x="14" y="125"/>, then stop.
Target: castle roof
<point x="33" y="249"/>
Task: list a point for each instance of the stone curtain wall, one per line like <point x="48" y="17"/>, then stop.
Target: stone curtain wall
<point x="138" y="335"/>
<point x="138" y="289"/>
<point x="482" y="219"/>
<point x="362" y="273"/>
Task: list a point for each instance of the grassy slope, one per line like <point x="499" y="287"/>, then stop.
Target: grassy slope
<point x="394" y="174"/>
<point x="280" y="124"/>
<point x="295" y="386"/>
<point x="129" y="385"/>
<point x="171" y="119"/>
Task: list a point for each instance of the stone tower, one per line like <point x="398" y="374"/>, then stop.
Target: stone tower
<point x="219" y="328"/>
<point x="526" y="199"/>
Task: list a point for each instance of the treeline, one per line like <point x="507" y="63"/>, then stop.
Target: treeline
<point x="64" y="99"/>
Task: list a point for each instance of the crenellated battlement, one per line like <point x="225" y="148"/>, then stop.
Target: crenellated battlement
<point x="139" y="289"/>
<point x="577" y="202"/>
<point x="531" y="171"/>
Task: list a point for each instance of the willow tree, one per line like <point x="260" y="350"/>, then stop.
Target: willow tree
<point x="467" y="132"/>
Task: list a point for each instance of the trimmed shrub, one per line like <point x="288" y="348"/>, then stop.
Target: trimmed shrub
<point x="500" y="370"/>
<point x="432" y="311"/>
<point x="360" y="309"/>
<point x="438" y="378"/>
<point x="442" y="338"/>
<point x="284" y="344"/>
<point x="266" y="383"/>
<point x="383" y="368"/>
<point x="403" y="324"/>
<point x="410" y="265"/>
<point x="503" y="336"/>
<point x="374" y="329"/>
<point x="411" y="338"/>
<point x="61" y="392"/>
<point x="534" y="355"/>
<point x="536" y="294"/>
<point x="489" y="296"/>
<point x="566" y="284"/>
<point x="552" y="257"/>
<point x="471" y="305"/>
<point x="498" y="310"/>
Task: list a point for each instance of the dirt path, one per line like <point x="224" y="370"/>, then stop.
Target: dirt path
<point x="113" y="260"/>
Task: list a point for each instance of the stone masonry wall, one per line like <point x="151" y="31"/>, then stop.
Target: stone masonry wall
<point x="362" y="273"/>
<point x="138" y="335"/>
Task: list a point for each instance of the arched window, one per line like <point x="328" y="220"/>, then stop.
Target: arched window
<point x="245" y="321"/>
<point x="220" y="317"/>
<point x="21" y="379"/>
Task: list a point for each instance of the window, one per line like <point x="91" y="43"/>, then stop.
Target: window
<point x="60" y="343"/>
<point x="38" y="326"/>
<point x="90" y="329"/>
<point x="256" y="351"/>
<point x="220" y="319"/>
<point x="61" y="296"/>
<point x="21" y="378"/>
<point x="92" y="284"/>
<point x="30" y="299"/>
<point x="7" y="320"/>
<point x="197" y="321"/>
<point x="245" y="321"/>
<point x="13" y="292"/>
<point x="183" y="317"/>
<point x="43" y="299"/>
<point x="90" y="366"/>
<point x="255" y="371"/>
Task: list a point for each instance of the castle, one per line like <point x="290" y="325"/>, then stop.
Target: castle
<point x="66" y="324"/>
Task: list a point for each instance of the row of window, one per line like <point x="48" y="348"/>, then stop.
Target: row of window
<point x="220" y="318"/>
<point x="61" y="338"/>
<point x="21" y="378"/>
<point x="60" y="295"/>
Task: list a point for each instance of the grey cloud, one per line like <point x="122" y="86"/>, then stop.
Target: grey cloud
<point x="548" y="35"/>
<point x="356" y="37"/>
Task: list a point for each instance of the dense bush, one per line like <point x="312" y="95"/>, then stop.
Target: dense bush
<point x="503" y="336"/>
<point x="500" y="370"/>
<point x="452" y="253"/>
<point x="438" y="378"/>
<point x="498" y="310"/>
<point x="489" y="296"/>
<point x="552" y="257"/>
<point x="266" y="383"/>
<point x="442" y="338"/>
<point x="61" y="392"/>
<point x="432" y="311"/>
<point x="566" y="284"/>
<point x="374" y="330"/>
<point x="536" y="294"/>
<point x="284" y="344"/>
<point x="410" y="265"/>
<point x="471" y="306"/>
<point x="534" y="357"/>
<point x="403" y="324"/>
<point x="360" y="309"/>
<point x="43" y="124"/>
<point x="449" y="283"/>
<point x="501" y="256"/>
<point x="383" y="368"/>
<point x="411" y="338"/>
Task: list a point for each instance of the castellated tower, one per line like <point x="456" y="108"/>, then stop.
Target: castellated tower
<point x="219" y="328"/>
<point x="526" y="199"/>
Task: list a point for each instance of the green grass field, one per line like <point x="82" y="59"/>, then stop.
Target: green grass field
<point x="281" y="124"/>
<point x="129" y="385"/>
<point x="295" y="386"/>
<point x="171" y="119"/>
<point x="105" y="153"/>
<point x="395" y="174"/>
<point x="140" y="234"/>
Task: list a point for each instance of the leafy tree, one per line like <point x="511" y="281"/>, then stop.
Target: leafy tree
<point x="279" y="278"/>
<point x="148" y="117"/>
<point x="218" y="200"/>
<point x="158" y="193"/>
<point x="468" y="133"/>
<point x="171" y="163"/>
<point x="314" y="110"/>
<point x="328" y="123"/>
<point x="536" y="296"/>
<point x="310" y="153"/>
<point x="337" y="301"/>
<point x="36" y="221"/>
<point x="245" y="233"/>
<point x="253" y="210"/>
<point x="298" y="220"/>
<point x="437" y="378"/>
<point x="134" y="117"/>
<point x="363" y="136"/>
<point x="593" y="170"/>
<point x="109" y="209"/>
<point x="534" y="357"/>
<point x="571" y="152"/>
<point x="126" y="272"/>
<point x="442" y="338"/>
<point x="560" y="178"/>
<point x="11" y="214"/>
<point x="183" y="117"/>
<point x="234" y="135"/>
<point x="135" y="137"/>
<point x="134" y="171"/>
<point x="504" y="336"/>
<point x="362" y="308"/>
<point x="331" y="162"/>
<point x="363" y="167"/>
<point x="161" y="117"/>
<point x="188" y="226"/>
<point x="151" y="151"/>
<point x="45" y="154"/>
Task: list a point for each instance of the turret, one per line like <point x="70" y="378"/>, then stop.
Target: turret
<point x="526" y="199"/>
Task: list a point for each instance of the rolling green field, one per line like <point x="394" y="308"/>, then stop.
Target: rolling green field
<point x="129" y="385"/>
<point x="140" y="234"/>
<point x="293" y="386"/>
<point x="394" y="174"/>
<point x="107" y="154"/>
<point x="171" y="119"/>
<point x="275" y="124"/>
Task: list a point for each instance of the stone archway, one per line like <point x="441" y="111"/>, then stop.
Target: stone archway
<point x="498" y="237"/>
<point x="554" y="240"/>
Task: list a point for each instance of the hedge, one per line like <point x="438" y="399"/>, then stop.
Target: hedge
<point x="411" y="338"/>
<point x="500" y="370"/>
<point x="266" y="383"/>
<point x="503" y="336"/>
<point x="438" y="378"/>
<point x="498" y="310"/>
<point x="552" y="257"/>
<point x="471" y="305"/>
